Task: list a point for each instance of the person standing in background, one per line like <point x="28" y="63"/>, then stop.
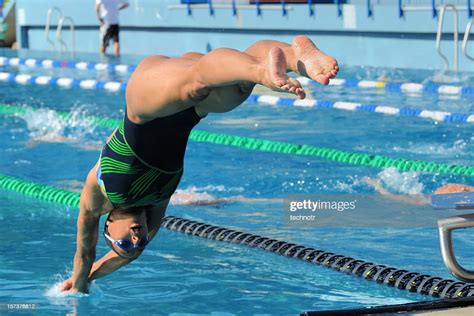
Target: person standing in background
<point x="108" y="15"/>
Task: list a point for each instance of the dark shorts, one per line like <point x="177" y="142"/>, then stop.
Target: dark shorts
<point x="127" y="180"/>
<point x="109" y="32"/>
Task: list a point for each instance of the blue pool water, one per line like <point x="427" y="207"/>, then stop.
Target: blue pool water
<point x="182" y="274"/>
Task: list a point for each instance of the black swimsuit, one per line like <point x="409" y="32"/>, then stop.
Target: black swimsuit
<point x="142" y="163"/>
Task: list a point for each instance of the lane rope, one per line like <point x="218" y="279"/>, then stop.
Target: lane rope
<point x="57" y="64"/>
<point x="440" y="116"/>
<point x="409" y="88"/>
<point x="394" y="87"/>
<point x="64" y="82"/>
<point x="399" y="278"/>
<point x="255" y="144"/>
<point x="115" y="86"/>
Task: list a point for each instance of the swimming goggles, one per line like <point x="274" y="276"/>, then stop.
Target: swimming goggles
<point x="127" y="245"/>
<point x="124" y="244"/>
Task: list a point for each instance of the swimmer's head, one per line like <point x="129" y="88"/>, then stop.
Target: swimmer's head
<point x="126" y="231"/>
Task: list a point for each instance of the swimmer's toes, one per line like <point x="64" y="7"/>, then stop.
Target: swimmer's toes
<point x="301" y="93"/>
<point x="285" y="87"/>
<point x="294" y="82"/>
<point x="322" y="79"/>
<point x="279" y="83"/>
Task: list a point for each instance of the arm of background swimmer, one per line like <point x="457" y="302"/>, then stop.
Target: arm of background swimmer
<point x="181" y="198"/>
<point x="418" y="199"/>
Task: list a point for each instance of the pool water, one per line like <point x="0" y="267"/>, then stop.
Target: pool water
<point x="180" y="274"/>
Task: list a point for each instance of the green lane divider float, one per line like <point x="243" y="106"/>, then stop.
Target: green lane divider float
<point x="341" y="156"/>
<point x="40" y="191"/>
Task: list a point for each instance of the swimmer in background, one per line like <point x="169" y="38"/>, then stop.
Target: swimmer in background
<point x="142" y="163"/>
<point x="417" y="199"/>
<point x="184" y="197"/>
<point x="187" y="197"/>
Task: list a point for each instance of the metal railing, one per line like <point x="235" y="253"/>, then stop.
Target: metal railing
<point x="259" y="6"/>
<point x="434" y="6"/>
<point x="439" y="34"/>
<point x="465" y="40"/>
<point x="59" y="34"/>
<point x="446" y="226"/>
<point x="48" y="24"/>
<point x="284" y="6"/>
<point x="61" y="20"/>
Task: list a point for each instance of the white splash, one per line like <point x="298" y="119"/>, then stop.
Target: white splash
<point x="59" y="297"/>
<point x="46" y="125"/>
<point x="401" y="182"/>
<point x="448" y="78"/>
<point x="347" y="186"/>
<point x="216" y="188"/>
<point x="192" y="195"/>
<point x="458" y="147"/>
<point x="55" y="292"/>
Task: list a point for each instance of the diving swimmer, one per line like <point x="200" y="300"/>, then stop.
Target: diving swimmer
<point x="142" y="162"/>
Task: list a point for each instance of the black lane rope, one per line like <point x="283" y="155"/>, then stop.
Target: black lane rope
<point x="390" y="276"/>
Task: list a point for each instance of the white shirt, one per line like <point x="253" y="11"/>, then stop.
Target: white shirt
<point x="109" y="10"/>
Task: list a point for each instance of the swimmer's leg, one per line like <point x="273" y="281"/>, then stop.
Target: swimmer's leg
<point x="189" y="80"/>
<point x="223" y="99"/>
<point x="192" y="55"/>
<point x="228" y="67"/>
<point x="302" y="57"/>
<point x="117" y="49"/>
<point x="244" y="87"/>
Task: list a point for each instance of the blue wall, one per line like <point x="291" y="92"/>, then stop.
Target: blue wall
<point x="164" y="27"/>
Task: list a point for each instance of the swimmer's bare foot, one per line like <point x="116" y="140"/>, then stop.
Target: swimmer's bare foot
<point x="312" y="62"/>
<point x="275" y="76"/>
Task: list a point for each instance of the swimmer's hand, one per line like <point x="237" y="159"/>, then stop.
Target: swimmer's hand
<point x="67" y="287"/>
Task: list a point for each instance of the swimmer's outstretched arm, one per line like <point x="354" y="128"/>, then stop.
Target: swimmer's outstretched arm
<point x="92" y="205"/>
<point x="106" y="265"/>
<point x="87" y="225"/>
<point x="102" y="267"/>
